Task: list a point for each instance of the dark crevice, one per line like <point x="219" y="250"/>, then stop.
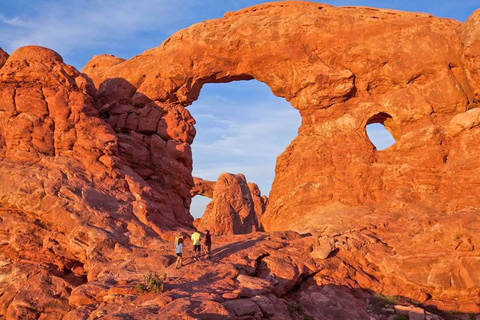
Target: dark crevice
<point x="415" y="78"/>
<point x="304" y="278"/>
<point x="380" y="117"/>
<point x="258" y="262"/>
<point x="72" y="272"/>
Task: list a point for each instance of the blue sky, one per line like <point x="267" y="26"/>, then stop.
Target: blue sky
<point x="241" y="126"/>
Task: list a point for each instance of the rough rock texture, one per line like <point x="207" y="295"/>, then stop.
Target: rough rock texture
<point x="69" y="165"/>
<point x="96" y="168"/>
<point x="3" y="57"/>
<point x="70" y="203"/>
<point x="344" y="68"/>
<point x="255" y="276"/>
<point x="153" y="138"/>
<point x="202" y="187"/>
<point x="236" y="206"/>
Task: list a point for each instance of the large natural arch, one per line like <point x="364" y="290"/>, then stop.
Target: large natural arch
<point x="332" y="88"/>
<point x="105" y="172"/>
<point x="330" y="176"/>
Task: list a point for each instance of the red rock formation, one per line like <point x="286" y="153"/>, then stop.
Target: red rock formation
<point x="236" y="208"/>
<point x="3" y="57"/>
<point x="339" y="84"/>
<point x="202" y="187"/>
<point x="99" y="64"/>
<point x="95" y="168"/>
<point x="153" y="137"/>
<point x="69" y="201"/>
<point x="414" y="73"/>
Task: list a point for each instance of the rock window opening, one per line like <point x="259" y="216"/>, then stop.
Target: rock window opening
<point x="241" y="128"/>
<point x="378" y="134"/>
<point x="198" y="205"/>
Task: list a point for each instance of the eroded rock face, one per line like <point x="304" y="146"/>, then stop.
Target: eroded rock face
<point x="100" y="165"/>
<point x="71" y="203"/>
<point x="236" y="207"/>
<point x="202" y="187"/>
<point x="3" y="57"/>
<point x="339" y="84"/>
<point x="344" y="68"/>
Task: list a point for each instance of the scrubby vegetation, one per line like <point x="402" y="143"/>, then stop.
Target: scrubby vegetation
<point x="151" y="283"/>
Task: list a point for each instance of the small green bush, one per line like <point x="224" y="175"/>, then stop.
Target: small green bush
<point x="296" y="311"/>
<point x="151" y="283"/>
<point x="401" y="318"/>
<point x="381" y="300"/>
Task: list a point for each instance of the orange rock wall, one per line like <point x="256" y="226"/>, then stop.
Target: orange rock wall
<point x="343" y="68"/>
<point x="100" y="162"/>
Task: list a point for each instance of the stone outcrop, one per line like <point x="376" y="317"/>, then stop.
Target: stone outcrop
<point x="339" y="84"/>
<point x="236" y="206"/>
<point x="202" y="187"/>
<point x="70" y="202"/>
<point x="344" y="68"/>
<point x="96" y="168"/>
<point x="65" y="158"/>
<point x="3" y="57"/>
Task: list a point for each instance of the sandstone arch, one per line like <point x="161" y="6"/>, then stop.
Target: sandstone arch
<point x="111" y="185"/>
<point x="333" y="79"/>
<point x="338" y="67"/>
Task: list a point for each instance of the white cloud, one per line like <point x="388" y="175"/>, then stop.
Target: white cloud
<point x="197" y="207"/>
<point x="67" y="26"/>
<point x="14" y="22"/>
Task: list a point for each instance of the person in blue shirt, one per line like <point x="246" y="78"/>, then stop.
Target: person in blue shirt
<point x="179" y="252"/>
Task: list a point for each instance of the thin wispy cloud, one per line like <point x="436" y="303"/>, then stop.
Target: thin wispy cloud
<point x="241" y="128"/>
<point x="14" y="22"/>
<point x="70" y="26"/>
<point x="263" y="136"/>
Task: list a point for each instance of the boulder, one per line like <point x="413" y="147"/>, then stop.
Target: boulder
<point x="234" y="206"/>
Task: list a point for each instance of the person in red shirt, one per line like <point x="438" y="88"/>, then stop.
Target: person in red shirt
<point x="208" y="244"/>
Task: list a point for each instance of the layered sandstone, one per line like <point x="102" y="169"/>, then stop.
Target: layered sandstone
<point x="70" y="201"/>
<point x="95" y="167"/>
<point x="344" y="68"/>
<point x="236" y="206"/>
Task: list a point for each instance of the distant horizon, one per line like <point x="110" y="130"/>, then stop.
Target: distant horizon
<point x="241" y="126"/>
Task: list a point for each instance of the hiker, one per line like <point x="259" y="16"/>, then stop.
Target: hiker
<point x="179" y="252"/>
<point x="196" y="239"/>
<point x="208" y="244"/>
<point x="178" y="236"/>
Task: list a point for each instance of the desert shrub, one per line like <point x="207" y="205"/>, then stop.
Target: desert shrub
<point x="151" y="283"/>
<point x="381" y="300"/>
<point x="296" y="311"/>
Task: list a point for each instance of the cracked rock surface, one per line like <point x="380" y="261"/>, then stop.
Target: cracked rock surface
<point x="96" y="171"/>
